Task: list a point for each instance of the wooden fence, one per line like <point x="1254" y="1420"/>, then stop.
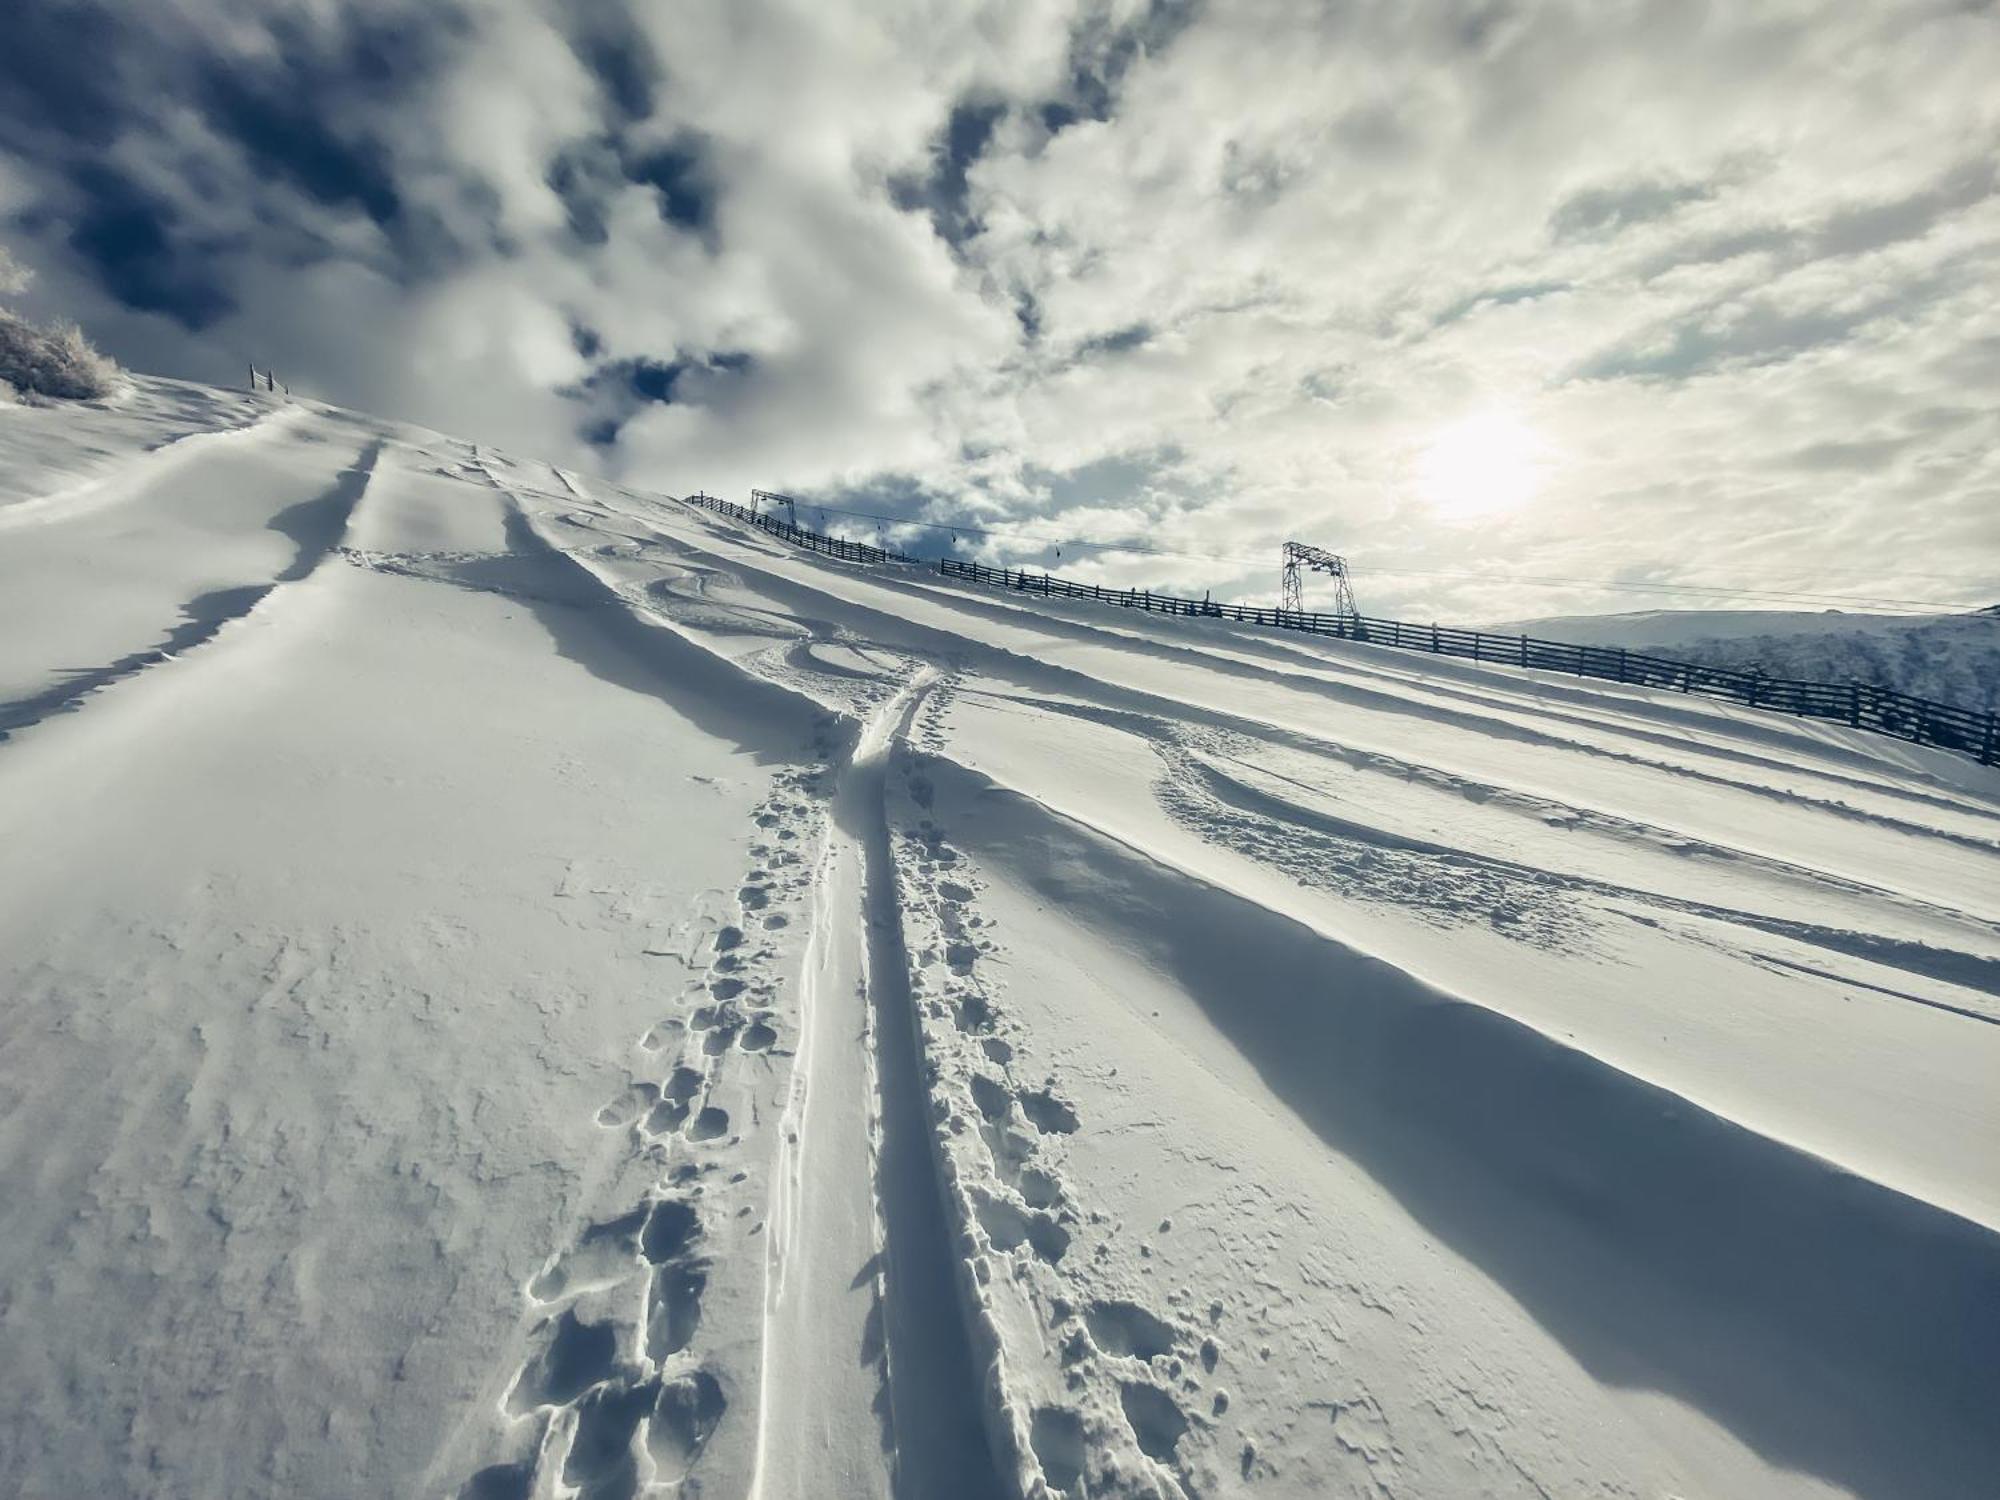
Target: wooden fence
<point x="1857" y="704"/>
<point x="799" y="536"/>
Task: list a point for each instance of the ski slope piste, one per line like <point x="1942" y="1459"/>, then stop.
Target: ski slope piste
<point x="515" y="986"/>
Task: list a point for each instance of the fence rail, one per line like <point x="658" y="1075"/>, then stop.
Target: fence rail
<point x="799" y="536"/>
<point x="1857" y="704"/>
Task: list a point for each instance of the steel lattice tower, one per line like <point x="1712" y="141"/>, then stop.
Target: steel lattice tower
<point x="1301" y="558"/>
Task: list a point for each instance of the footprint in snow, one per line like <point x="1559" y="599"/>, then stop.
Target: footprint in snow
<point x="685" y="1417"/>
<point x="673" y="1308"/>
<point x="1126" y="1328"/>
<point x="635" y="1101"/>
<point x="600" y="1461"/>
<point x="605" y="1254"/>
<point x="1157" y="1422"/>
<point x="1047" y="1113"/>
<point x="1008" y="1228"/>
<point x="573" y="1356"/>
<point x="1056" y="1435"/>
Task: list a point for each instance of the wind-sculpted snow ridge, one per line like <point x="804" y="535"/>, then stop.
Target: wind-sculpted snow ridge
<point x="559" y="994"/>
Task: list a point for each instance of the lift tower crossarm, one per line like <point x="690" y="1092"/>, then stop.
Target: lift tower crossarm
<point x="1301" y="558"/>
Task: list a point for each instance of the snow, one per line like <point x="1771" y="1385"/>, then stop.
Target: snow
<point x="518" y="986"/>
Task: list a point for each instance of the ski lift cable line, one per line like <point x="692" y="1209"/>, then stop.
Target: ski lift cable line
<point x="1141" y="549"/>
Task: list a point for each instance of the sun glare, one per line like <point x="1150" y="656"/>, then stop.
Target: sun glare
<point x="1483" y="466"/>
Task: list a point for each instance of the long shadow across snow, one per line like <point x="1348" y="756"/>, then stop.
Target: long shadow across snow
<point x="1835" y="1326"/>
<point x="313" y="527"/>
<point x="602" y="633"/>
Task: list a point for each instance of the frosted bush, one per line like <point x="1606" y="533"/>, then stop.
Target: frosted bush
<point x="53" y="361"/>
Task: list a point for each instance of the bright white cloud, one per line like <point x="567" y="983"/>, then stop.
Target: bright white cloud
<point x="1662" y="292"/>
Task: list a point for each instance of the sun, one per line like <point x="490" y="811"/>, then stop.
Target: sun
<point x="1485" y="465"/>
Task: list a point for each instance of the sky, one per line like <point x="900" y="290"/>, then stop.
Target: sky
<point x="1525" y="307"/>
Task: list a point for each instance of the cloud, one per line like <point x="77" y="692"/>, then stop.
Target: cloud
<point x="1216" y="275"/>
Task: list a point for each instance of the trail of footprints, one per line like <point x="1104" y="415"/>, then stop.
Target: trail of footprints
<point x="615" y="1399"/>
<point x="1003" y="1130"/>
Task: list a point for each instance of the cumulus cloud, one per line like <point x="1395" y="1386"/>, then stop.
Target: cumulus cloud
<point x="1207" y="275"/>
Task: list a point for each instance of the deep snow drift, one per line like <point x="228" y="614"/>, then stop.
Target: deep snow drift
<point x="517" y="987"/>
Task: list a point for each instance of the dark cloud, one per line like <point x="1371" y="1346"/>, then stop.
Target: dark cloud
<point x="1500" y="296"/>
<point x="61" y="75"/>
<point x="1871" y="226"/>
<point x="1133" y="336"/>
<point x="1757" y="334"/>
<point x="615" y="48"/>
<point x="615" y="390"/>
<point x="282" y="128"/>
<point x="680" y="179"/>
<point x="302" y="112"/>
<point x="129" y="237"/>
<point x="943" y="193"/>
<point x="1602" y="211"/>
<point x="1028" y="316"/>
<point x="588" y="174"/>
<point x="651" y="380"/>
<point x="585" y="176"/>
<point x="92" y="98"/>
<point x="1102" y="52"/>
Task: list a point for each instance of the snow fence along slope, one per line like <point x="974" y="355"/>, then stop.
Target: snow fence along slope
<point x="561" y="995"/>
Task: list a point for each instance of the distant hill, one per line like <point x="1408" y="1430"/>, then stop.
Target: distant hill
<point x="1951" y="658"/>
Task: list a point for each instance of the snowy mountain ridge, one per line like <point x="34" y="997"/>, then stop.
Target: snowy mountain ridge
<point x="518" y="986"/>
<point x="1951" y="659"/>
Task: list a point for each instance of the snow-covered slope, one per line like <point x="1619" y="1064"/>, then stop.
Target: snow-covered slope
<point x="1949" y="658"/>
<point x="518" y="987"/>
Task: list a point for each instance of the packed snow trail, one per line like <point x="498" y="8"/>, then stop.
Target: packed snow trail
<point x="935" y="1386"/>
<point x="519" y="987"/>
<point x="829" y="1257"/>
